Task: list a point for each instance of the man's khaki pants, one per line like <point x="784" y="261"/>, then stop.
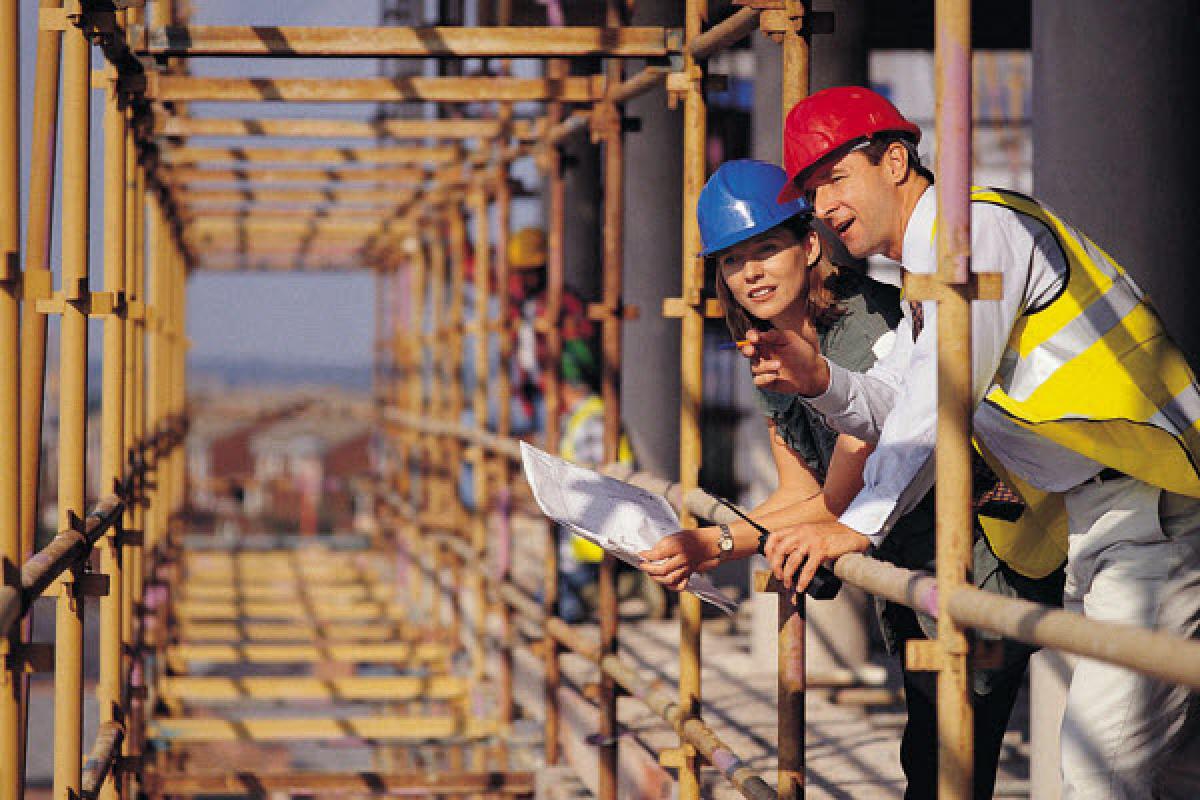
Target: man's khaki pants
<point x="1134" y="558"/>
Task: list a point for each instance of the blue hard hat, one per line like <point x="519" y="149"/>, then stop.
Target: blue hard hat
<point x="738" y="202"/>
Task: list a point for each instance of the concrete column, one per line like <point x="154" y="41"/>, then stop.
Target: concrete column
<point x="1114" y="114"/>
<point x="653" y="215"/>
<point x="582" y="236"/>
<point x="840" y="58"/>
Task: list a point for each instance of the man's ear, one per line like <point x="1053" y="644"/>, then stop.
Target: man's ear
<point x="895" y="158"/>
<point x="812" y="248"/>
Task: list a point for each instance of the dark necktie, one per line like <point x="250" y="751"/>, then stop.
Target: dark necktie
<point x="991" y="496"/>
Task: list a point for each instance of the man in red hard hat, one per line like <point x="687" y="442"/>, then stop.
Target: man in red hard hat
<point x="1085" y="409"/>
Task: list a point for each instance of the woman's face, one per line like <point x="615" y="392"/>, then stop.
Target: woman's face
<point x="768" y="274"/>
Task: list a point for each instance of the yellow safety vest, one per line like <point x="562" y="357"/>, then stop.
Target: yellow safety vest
<point x="584" y="551"/>
<point x="1095" y="372"/>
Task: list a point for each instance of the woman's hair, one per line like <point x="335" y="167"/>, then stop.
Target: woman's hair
<point x="828" y="284"/>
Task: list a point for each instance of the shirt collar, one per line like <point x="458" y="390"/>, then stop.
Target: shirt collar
<point x="917" y="251"/>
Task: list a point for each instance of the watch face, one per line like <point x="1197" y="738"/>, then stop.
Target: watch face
<point x="726" y="542"/>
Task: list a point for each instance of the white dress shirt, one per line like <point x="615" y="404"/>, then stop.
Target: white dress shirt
<point x="894" y="404"/>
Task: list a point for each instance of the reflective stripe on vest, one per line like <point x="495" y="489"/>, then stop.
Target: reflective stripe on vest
<point x="1092" y="371"/>
<point x="584" y="551"/>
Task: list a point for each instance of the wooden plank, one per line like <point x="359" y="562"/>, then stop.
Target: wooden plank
<point x="206" y="689"/>
<point x="348" y="653"/>
<point x="375" y="196"/>
<point x="400" y="129"/>
<point x="352" y="784"/>
<point x="263" y="632"/>
<point x="399" y="42"/>
<point x="266" y="729"/>
<point x="346" y="612"/>
<point x="188" y="89"/>
<point x="294" y="592"/>
<point x="312" y="155"/>
<point x="376" y="176"/>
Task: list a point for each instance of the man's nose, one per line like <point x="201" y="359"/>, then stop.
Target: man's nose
<point x="823" y="203"/>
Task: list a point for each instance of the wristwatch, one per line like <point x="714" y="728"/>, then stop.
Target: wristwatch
<point x="725" y="543"/>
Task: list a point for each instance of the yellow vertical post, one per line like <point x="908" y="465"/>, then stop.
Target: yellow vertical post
<point x="417" y="454"/>
<point x="606" y="128"/>
<point x="72" y="438"/>
<point x="791" y="619"/>
<point x="112" y="409"/>
<point x="956" y="751"/>
<point x="483" y="332"/>
<point x="42" y="153"/>
<point x="131" y="551"/>
<point x="11" y="723"/>
<point x="555" y="270"/>
<point x="154" y="412"/>
<point x="37" y="260"/>
<point x="691" y="371"/>
<point x="504" y="415"/>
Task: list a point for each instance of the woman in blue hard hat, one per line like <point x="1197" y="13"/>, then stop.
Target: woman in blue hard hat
<point x="773" y="272"/>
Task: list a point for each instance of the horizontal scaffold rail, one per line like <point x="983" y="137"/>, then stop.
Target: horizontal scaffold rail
<point x="399" y="129"/>
<point x="220" y="611"/>
<point x="339" y="177"/>
<point x="189" y="89"/>
<point x="373" y="196"/>
<point x="260" y="785"/>
<point x="311" y="155"/>
<point x="346" y="653"/>
<point x="279" y="632"/>
<point x="394" y="728"/>
<point x="401" y="42"/>
<point x="206" y="689"/>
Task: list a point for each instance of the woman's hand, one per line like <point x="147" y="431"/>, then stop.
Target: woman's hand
<point x="676" y="557"/>
<point x="787" y="361"/>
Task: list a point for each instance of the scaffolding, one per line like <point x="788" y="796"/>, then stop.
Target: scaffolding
<point x="410" y="209"/>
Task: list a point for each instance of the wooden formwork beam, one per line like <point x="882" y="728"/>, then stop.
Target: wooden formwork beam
<point x="187" y="88"/>
<point x="400" y="42"/>
<point x="378" y="176"/>
<point x="311" y="155"/>
<point x="344" y="128"/>
<point x="356" y="784"/>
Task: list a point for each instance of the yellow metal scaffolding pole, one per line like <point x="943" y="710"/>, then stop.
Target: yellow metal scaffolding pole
<point x="956" y="745"/>
<point x="155" y="407"/>
<point x="11" y="683"/>
<point x="555" y="270"/>
<point x="72" y="387"/>
<point x="688" y="84"/>
<point x="112" y="457"/>
<point x="131" y="550"/>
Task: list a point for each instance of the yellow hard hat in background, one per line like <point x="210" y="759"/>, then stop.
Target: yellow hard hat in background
<point x="527" y="249"/>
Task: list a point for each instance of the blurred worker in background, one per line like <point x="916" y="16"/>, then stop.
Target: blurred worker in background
<point x="582" y="442"/>
<point x="1083" y="405"/>
<point x="527" y="289"/>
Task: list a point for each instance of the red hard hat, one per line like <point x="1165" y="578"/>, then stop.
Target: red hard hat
<point x="830" y="119"/>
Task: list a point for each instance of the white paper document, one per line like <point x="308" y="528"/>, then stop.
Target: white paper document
<point x="622" y="519"/>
